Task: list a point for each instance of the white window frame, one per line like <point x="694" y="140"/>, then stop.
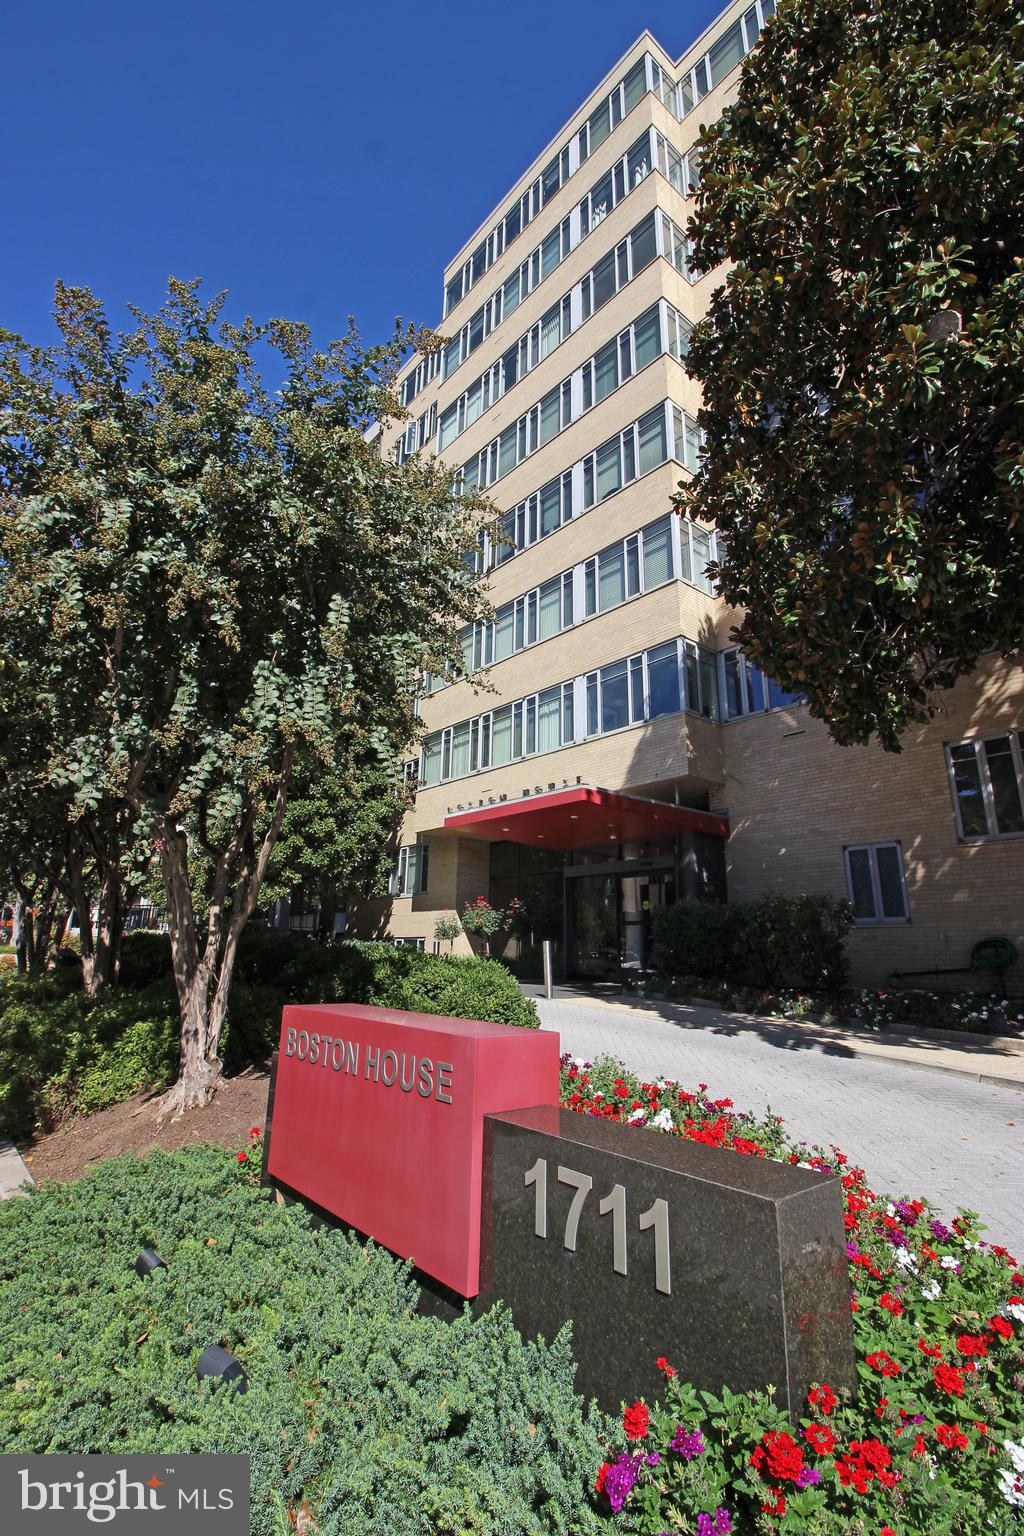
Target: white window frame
<point x="871" y="849"/>
<point x="993" y="835"/>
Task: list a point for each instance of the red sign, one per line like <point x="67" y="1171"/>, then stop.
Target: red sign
<point x="378" y="1118"/>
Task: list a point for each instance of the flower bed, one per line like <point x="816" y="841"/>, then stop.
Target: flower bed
<point x="876" y="1009"/>
<point x="934" y="1442"/>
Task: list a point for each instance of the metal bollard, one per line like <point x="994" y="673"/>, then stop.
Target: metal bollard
<point x="549" y="986"/>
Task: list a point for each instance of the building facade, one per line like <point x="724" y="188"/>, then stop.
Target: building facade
<point x="624" y="755"/>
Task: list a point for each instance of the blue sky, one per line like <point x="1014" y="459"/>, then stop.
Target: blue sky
<point x="316" y="159"/>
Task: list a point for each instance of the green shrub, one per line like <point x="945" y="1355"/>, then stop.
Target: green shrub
<point x="383" y="1420"/>
<point x="771" y="942"/>
<point x="62" y="1052"/>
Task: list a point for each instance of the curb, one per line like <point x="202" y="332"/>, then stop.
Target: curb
<point x="988" y="1079"/>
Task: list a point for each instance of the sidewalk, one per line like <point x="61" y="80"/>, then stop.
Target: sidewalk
<point x="13" y="1173"/>
<point x="992" y="1059"/>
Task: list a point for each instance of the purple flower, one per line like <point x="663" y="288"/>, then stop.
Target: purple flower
<point x="718" y="1524"/>
<point x="852" y="1251"/>
<point x="808" y="1477"/>
<point x="941" y="1233"/>
<point x="653" y="1459"/>
<point x="618" y="1484"/>
<point x="687" y="1442"/>
<point x="897" y="1238"/>
<point x="906" y="1213"/>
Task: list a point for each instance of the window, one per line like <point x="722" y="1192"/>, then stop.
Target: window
<point x="408" y="943"/>
<point x="410" y="875"/>
<point x="876" y="883"/>
<point x="987" y="779"/>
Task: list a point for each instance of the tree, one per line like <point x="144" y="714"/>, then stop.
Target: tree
<point x="863" y="364"/>
<point x="205" y="582"/>
<point x="338" y="831"/>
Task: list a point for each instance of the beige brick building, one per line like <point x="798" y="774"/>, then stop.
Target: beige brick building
<point x="623" y="755"/>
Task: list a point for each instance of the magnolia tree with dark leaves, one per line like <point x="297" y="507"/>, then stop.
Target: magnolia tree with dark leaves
<point x="207" y="586"/>
<point x="863" y="364"/>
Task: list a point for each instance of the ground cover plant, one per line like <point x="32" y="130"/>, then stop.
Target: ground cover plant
<point x="935" y="1439"/>
<point x="63" y="1052"/>
<point x="359" y="1413"/>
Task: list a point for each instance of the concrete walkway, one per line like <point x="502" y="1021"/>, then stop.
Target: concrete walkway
<point x="952" y="1132"/>
<point x="13" y="1173"/>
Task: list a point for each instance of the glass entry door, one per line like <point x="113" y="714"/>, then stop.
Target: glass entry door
<point x="595" y="926"/>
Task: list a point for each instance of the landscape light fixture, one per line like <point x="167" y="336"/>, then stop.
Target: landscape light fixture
<point x="222" y="1367"/>
<point x="147" y="1261"/>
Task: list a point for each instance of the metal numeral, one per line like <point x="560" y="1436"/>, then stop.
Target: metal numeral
<point x="613" y="1204"/>
<point x="616" y="1203"/>
<point x="583" y="1184"/>
<point x="657" y="1217"/>
<point x="538" y="1177"/>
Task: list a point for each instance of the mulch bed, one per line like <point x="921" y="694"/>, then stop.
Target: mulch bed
<point x="77" y="1146"/>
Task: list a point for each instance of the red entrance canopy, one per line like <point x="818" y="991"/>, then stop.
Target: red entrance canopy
<point x="581" y="817"/>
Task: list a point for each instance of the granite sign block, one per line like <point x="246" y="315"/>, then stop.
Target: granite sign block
<point x="732" y="1267"/>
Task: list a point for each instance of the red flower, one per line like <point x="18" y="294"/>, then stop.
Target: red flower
<point x="1001" y="1326"/>
<point x="784" y="1458"/>
<point x="602" y="1473"/>
<point x="952" y="1438"/>
<point x="865" y="1460"/>
<point x="928" y="1349"/>
<point x="948" y="1379"/>
<point x="891" y="1303"/>
<point x="820" y="1438"/>
<point x="972" y="1344"/>
<point x="664" y="1367"/>
<point x="883" y="1363"/>
<point x="636" y="1419"/>
<point x="255" y="1131"/>
<point x="777" y="1507"/>
<point x="243" y="1157"/>
<point x="920" y="1446"/>
<point x="822" y="1398"/>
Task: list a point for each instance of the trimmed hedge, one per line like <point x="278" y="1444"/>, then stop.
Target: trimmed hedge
<point x="774" y="941"/>
<point x="64" y="1053"/>
<point x="379" y="1419"/>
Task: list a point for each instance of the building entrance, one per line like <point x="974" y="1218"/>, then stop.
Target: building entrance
<point x="610" y="919"/>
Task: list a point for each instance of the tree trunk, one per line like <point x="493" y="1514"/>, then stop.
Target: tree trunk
<point x="21" y="934"/>
<point x="100" y="968"/>
<point x="45" y="918"/>
<point x="328" y="907"/>
<point x="60" y="928"/>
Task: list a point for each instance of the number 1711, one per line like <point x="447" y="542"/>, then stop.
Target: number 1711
<point x="613" y="1204"/>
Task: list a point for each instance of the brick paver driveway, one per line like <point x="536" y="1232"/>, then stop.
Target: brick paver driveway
<point x="948" y="1138"/>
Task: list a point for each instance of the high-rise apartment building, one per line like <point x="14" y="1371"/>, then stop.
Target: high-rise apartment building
<point x="626" y="755"/>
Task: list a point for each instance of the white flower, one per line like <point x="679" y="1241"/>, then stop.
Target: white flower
<point x="931" y="1290"/>
<point x="890" y="1209"/>
<point x="948" y="1262"/>
<point x="661" y="1084"/>
<point x="905" y="1259"/>
<point x="1011" y="1484"/>
<point x="969" y="1245"/>
<point x="663" y="1120"/>
<point x="597" y="1095"/>
<point x="638" y="1116"/>
<point x="1016" y="1454"/>
<point x="579" y="1061"/>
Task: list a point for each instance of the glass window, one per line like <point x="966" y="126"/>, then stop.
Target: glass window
<point x="460" y="750"/>
<point x="701" y="550"/>
<point x="651" y="431"/>
<point x="725" y="53"/>
<point x="781" y="698"/>
<point x="449" y="426"/>
<point x="609" y="473"/>
<point x="600" y="126"/>
<point x="550" y="330"/>
<point x="967" y="783"/>
<point x="501" y="736"/>
<point x="755" y="687"/>
<point x="733" y="687"/>
<point x="614" y="697"/>
<point x="635" y="85"/>
<point x="504" y="631"/>
<point x="549" y="715"/>
<point x="1006" y="789"/>
<point x="663" y="680"/>
<point x="647" y="337"/>
<point x="431" y="773"/>
<point x="876" y="884"/>
<point x="644" y="245"/>
<point x="592" y="704"/>
<point x="657" y="542"/>
<point x="605" y="371"/>
<point x="551" y="608"/>
<point x="550" y="508"/>
<point x="709" y="685"/>
<point x="611" y="577"/>
<point x="550" y="415"/>
<point x="604" y="280"/>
